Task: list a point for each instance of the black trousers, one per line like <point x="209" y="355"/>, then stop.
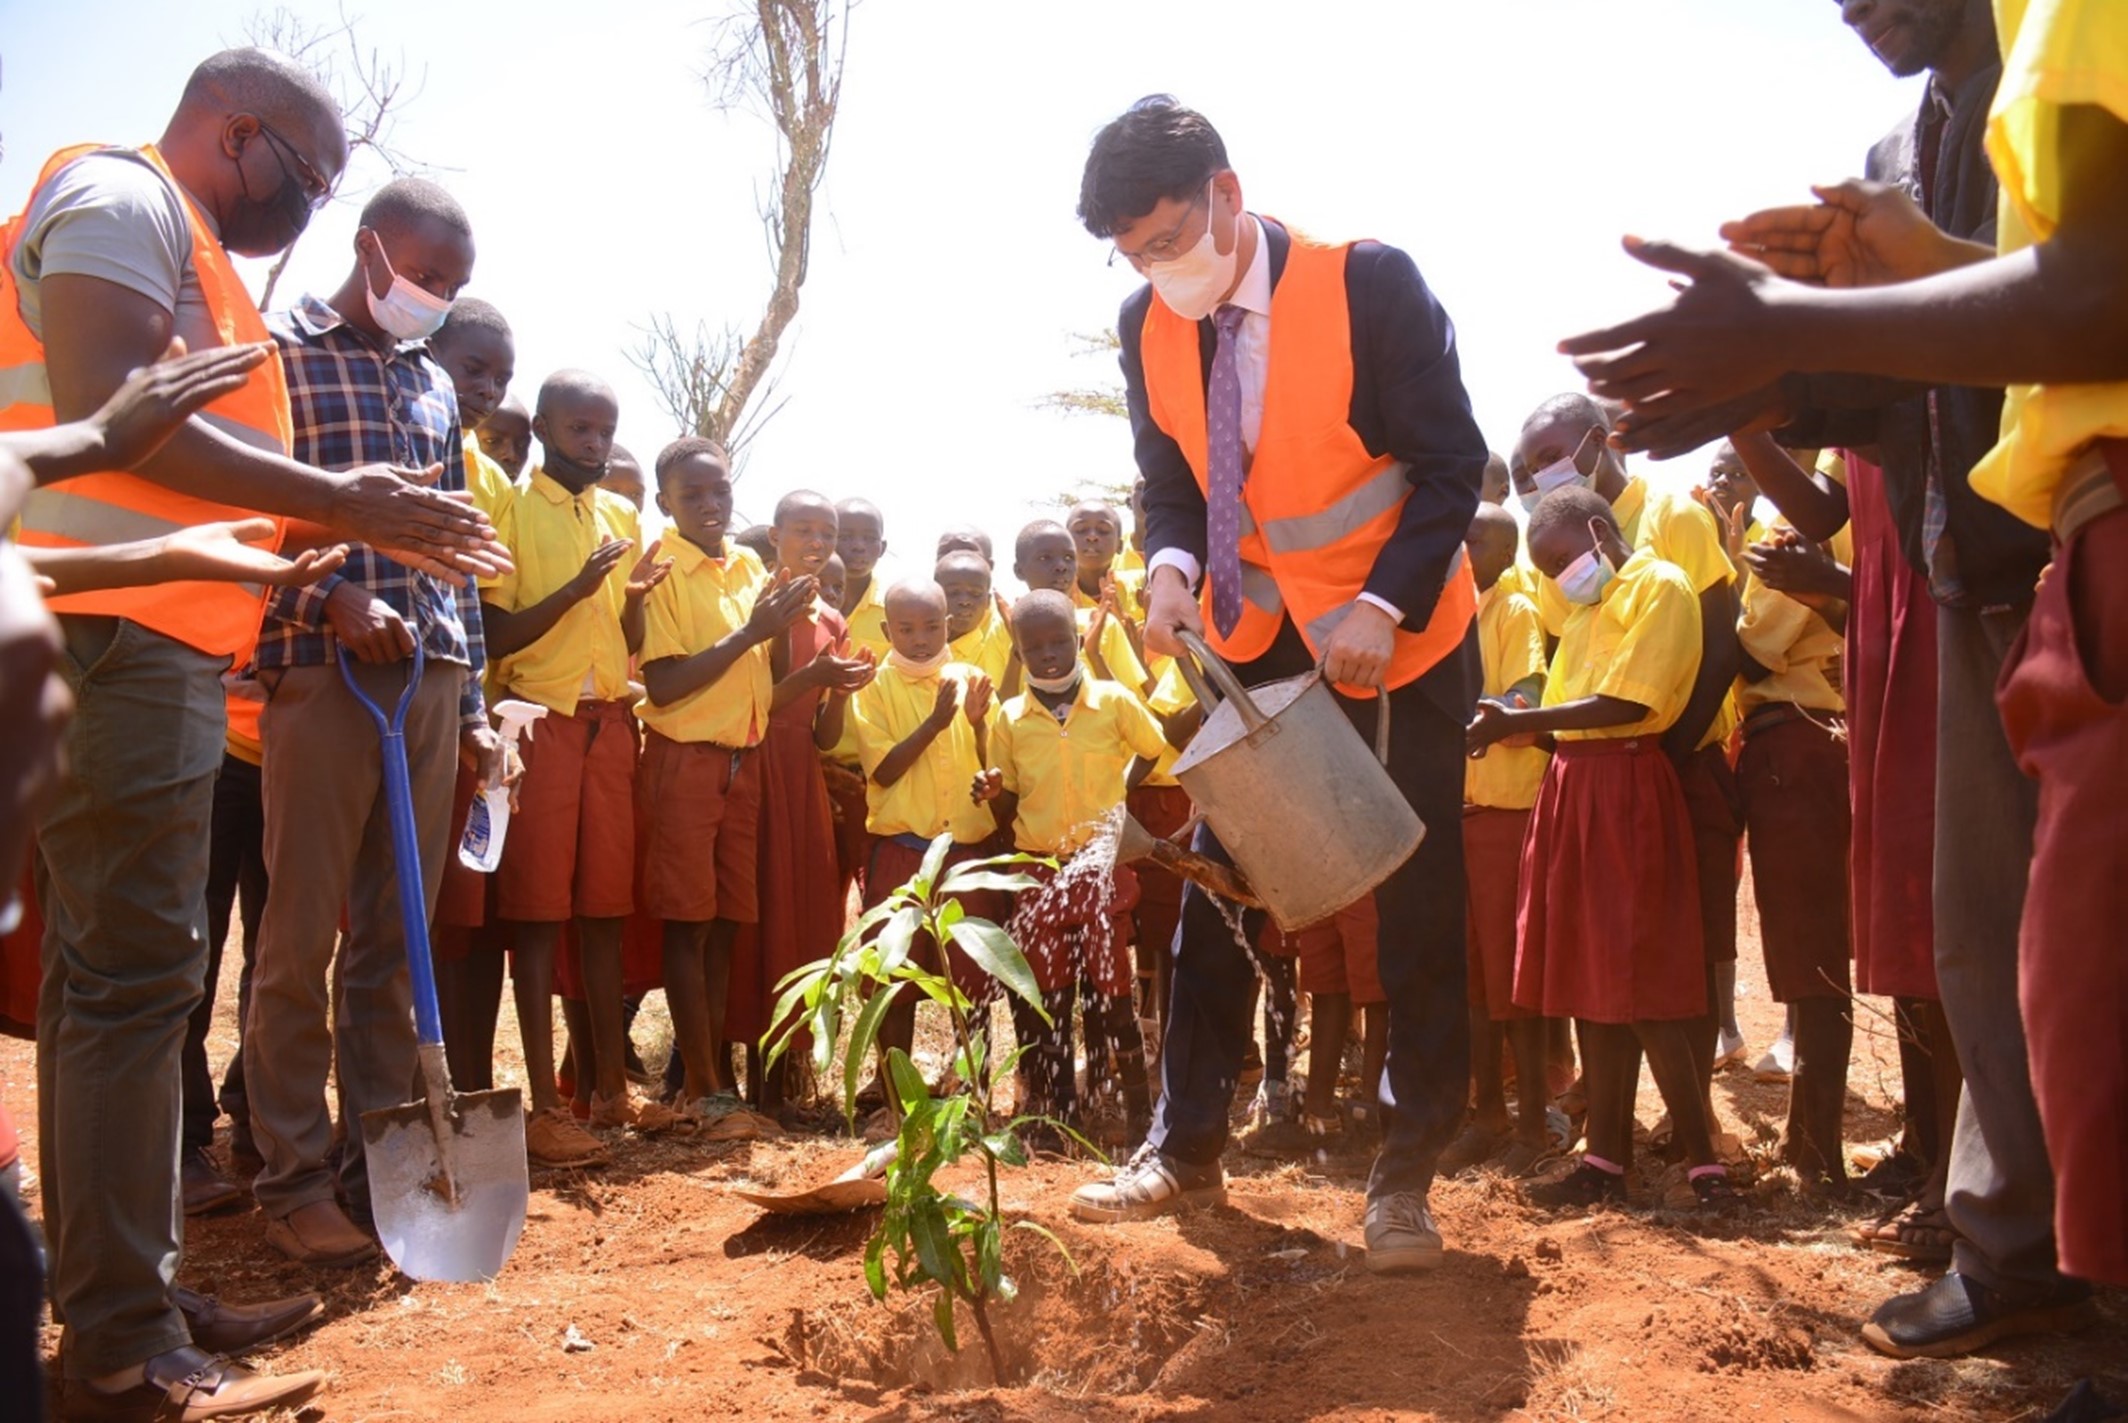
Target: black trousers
<point x="1421" y="946"/>
<point x="236" y="880"/>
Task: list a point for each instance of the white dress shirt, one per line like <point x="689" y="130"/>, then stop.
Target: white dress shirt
<point x="1252" y="356"/>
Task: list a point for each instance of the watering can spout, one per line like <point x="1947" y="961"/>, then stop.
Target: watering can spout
<point x="1134" y="842"/>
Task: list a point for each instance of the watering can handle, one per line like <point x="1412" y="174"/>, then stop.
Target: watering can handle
<point x="1201" y="663"/>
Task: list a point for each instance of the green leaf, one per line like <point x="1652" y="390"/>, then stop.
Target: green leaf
<point x="1096" y="1152"/>
<point x="933" y="1242"/>
<point x="862" y="1036"/>
<point x="950" y="913"/>
<point x="908" y="1082"/>
<point x="934" y="861"/>
<point x="995" y="953"/>
<point x="897" y="938"/>
<point x="967" y="880"/>
<point x="1005" y="862"/>
<point x="1006" y="1147"/>
<point x="989" y="1255"/>
<point x="1051" y="1236"/>
<point x="875" y="1264"/>
<point x="878" y="914"/>
<point x="942" y="1316"/>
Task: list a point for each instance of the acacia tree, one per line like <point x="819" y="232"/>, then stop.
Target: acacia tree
<point x="783" y="59"/>
<point x="372" y="91"/>
<point x="1093" y="400"/>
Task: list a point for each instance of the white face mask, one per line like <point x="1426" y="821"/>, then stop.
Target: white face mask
<point x="1192" y="282"/>
<point x="1056" y="685"/>
<point x="1560" y="473"/>
<point x="910" y="667"/>
<point x="1584" y="580"/>
<point x="406" y="312"/>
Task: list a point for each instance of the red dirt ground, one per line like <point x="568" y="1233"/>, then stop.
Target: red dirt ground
<point x="696" y="1306"/>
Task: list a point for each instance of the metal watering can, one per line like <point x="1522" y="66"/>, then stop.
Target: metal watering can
<point x="1307" y="811"/>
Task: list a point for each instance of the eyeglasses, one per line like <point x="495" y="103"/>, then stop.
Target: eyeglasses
<point x="315" y="189"/>
<point x="1168" y="246"/>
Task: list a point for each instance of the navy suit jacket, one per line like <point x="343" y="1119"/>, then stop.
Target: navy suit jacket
<point x="1408" y="401"/>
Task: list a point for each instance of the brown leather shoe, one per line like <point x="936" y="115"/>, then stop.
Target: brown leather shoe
<point x="203" y="1187"/>
<point x="239" y="1328"/>
<point x="320" y="1234"/>
<point x="188" y="1386"/>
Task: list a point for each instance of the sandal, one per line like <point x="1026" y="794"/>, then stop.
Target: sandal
<point x="1914" y="1232"/>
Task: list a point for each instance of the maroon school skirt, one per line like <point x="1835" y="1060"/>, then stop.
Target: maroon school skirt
<point x="1608" y="927"/>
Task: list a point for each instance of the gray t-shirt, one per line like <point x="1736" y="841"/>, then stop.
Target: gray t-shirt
<point x="112" y="214"/>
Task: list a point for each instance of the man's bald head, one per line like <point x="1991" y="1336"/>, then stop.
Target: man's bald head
<point x="258" y="142"/>
<point x="1493" y="540"/>
<point x="266" y="85"/>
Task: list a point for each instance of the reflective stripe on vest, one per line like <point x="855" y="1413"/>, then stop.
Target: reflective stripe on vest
<point x="220" y="619"/>
<point x="1317" y="506"/>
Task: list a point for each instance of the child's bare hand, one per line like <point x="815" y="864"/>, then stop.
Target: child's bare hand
<point x="1732" y="523"/>
<point x="229" y="552"/>
<point x="1492" y="723"/>
<point x="988" y="786"/>
<point x="977" y="702"/>
<point x="944" y="705"/>
<point x="1004" y="606"/>
<point x="842" y="781"/>
<point x="604" y="559"/>
<point x="786" y="601"/>
<point x="649" y="571"/>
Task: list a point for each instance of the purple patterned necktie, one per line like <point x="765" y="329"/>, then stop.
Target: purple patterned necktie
<point x="1223" y="514"/>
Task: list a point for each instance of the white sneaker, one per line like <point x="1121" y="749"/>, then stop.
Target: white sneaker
<point x="1401" y="1236"/>
<point x="1149" y="1185"/>
<point x="1777" y="1064"/>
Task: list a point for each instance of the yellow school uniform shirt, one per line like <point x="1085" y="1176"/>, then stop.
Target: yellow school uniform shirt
<point x="2055" y="54"/>
<point x="987" y="645"/>
<point x="868" y="621"/>
<point x="932" y="796"/>
<point x="1069" y="774"/>
<point x="550" y="532"/>
<point x="1522" y="577"/>
<point x="1511" y="646"/>
<point x="1794" y="644"/>
<point x="1641" y="644"/>
<point x="1171" y="695"/>
<point x="490" y="487"/>
<point x="1116" y="651"/>
<point x="1679" y="531"/>
<point x="703" y="600"/>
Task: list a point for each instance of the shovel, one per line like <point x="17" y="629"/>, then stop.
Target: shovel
<point x="446" y="1174"/>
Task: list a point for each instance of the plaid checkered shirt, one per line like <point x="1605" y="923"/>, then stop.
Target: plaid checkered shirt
<point x="356" y="404"/>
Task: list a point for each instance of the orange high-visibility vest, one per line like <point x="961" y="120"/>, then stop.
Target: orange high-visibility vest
<point x="220" y="619"/>
<point x="1316" y="507"/>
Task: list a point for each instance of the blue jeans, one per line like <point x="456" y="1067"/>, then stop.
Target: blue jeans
<point x="1421" y="947"/>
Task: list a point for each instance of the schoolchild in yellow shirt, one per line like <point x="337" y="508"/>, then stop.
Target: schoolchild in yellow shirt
<point x="978" y="626"/>
<point x="1609" y="912"/>
<point x="1045" y="557"/>
<point x="506" y="437"/>
<point x="561" y="628"/>
<point x="1062" y="755"/>
<point x="1498" y="790"/>
<point x="922" y="729"/>
<point x="708" y="684"/>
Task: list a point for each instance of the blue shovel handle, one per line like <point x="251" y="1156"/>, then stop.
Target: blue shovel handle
<point x="406" y="845"/>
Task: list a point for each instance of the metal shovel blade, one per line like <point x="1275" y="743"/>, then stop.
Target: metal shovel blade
<point x="457" y="1218"/>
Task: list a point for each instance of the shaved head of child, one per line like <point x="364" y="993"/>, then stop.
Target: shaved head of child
<point x="916" y="618"/>
<point x="1568" y="523"/>
<point x="804" y="532"/>
<point x="1046" y="630"/>
<point x="860" y="537"/>
<point x="834" y="580"/>
<point x="695" y="491"/>
<point x="506" y="436"/>
<point x="624" y="476"/>
<point x="574" y="420"/>
<point x="1044" y="556"/>
<point x="1492" y="485"/>
<point x="970" y="539"/>
<point x="762" y="540"/>
<point x="1569" y="427"/>
<point x="964" y="575"/>
<point x="1492" y="540"/>
<point x="1096" y="531"/>
<point x="476" y="349"/>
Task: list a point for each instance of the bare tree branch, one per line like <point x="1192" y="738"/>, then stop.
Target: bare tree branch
<point x="782" y="60"/>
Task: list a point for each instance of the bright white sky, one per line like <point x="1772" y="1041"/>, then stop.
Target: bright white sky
<point x="1505" y="144"/>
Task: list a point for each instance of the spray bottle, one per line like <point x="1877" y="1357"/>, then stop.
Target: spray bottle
<point x="489" y="818"/>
